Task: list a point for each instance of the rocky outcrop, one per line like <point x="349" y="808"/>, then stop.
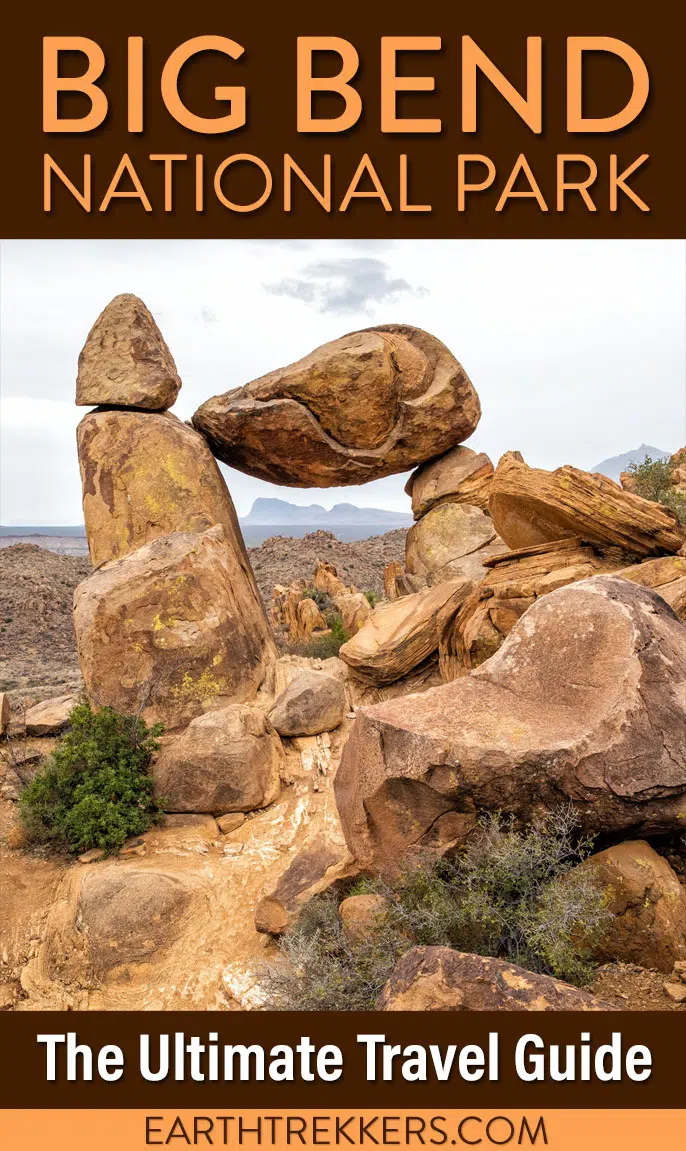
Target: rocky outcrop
<point x="585" y="701"/>
<point x="648" y="905"/>
<point x="440" y="979"/>
<point x="530" y="506"/>
<point x="326" y="580"/>
<point x="144" y="475"/>
<point x="460" y="476"/>
<point x="313" y="702"/>
<point x="400" y="636"/>
<point x="395" y="582"/>
<point x="678" y="465"/>
<point x="125" y="360"/>
<point x="355" y="609"/>
<point x="225" y="761"/>
<point x="451" y="540"/>
<point x="370" y="404"/>
<point x="295" y="614"/>
<point x="173" y="628"/>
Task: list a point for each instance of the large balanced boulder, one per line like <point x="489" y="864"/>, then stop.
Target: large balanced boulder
<point x="585" y="701"/>
<point x="174" y="628"/>
<point x="440" y="979"/>
<point x="451" y="540"/>
<point x="144" y="475"/>
<point x="312" y="703"/>
<point x="530" y="506"/>
<point x="648" y="905"/>
<point x="460" y="476"/>
<point x="227" y="760"/>
<point x="125" y="360"/>
<point x="401" y="635"/>
<point x="370" y="404"/>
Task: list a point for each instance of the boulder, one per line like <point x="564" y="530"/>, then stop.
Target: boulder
<point x="224" y="761"/>
<point x="450" y="541"/>
<point x="440" y="979"/>
<point x="355" y="609"/>
<point x="144" y="475"/>
<point x="648" y="904"/>
<point x="370" y="404"/>
<point x="395" y="582"/>
<point x="313" y="702"/>
<point x="530" y="506"/>
<point x="128" y="916"/>
<point x="295" y="613"/>
<point x="173" y="628"/>
<point x="360" y="914"/>
<point x="585" y="701"/>
<point x="51" y="716"/>
<point x="125" y="360"/>
<point x="460" y="476"/>
<point x="319" y="865"/>
<point x="326" y="580"/>
<point x="5" y="712"/>
<point x="400" y="636"/>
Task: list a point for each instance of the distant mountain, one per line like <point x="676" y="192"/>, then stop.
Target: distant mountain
<point x="274" y="512"/>
<point x="617" y="464"/>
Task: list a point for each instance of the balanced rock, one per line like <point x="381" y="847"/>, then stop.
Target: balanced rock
<point x="584" y="701"/>
<point x="125" y="360"/>
<point x="144" y="475"/>
<point x="400" y="636"/>
<point x="460" y="476"/>
<point x="648" y="905"/>
<point x="173" y="628"/>
<point x="225" y="761"/>
<point x="49" y="717"/>
<point x="373" y="403"/>
<point x="440" y="979"/>
<point x="313" y="702"/>
<point x="451" y="540"/>
<point x="530" y="506"/>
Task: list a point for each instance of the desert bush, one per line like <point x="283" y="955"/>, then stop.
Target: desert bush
<point x="95" y="789"/>
<point x="509" y="894"/>
<point x="653" y="479"/>
<point x="321" y="598"/>
<point x="372" y="598"/>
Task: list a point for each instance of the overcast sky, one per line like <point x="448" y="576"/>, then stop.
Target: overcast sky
<point x="577" y="349"/>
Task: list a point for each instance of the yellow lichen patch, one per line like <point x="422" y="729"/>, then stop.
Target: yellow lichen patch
<point x="206" y="686"/>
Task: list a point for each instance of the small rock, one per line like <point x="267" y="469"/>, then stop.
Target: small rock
<point x="230" y="822"/>
<point x="360" y="913"/>
<point x="133" y="847"/>
<point x="676" y="992"/>
<point x="51" y="716"/>
<point x="679" y="971"/>
<point x="92" y="856"/>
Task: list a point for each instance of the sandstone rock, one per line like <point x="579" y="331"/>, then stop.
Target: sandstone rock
<point x="676" y="992"/>
<point x="511" y="584"/>
<point x="5" y="712"/>
<point x="326" y="580"/>
<point x="678" y="464"/>
<point x="229" y="823"/>
<point x="225" y="761"/>
<point x="361" y="913"/>
<point x="51" y="716"/>
<point x="440" y="979"/>
<point x="317" y="866"/>
<point x="145" y="475"/>
<point x="648" y="904"/>
<point x="460" y="476"/>
<point x="400" y="636"/>
<point x="395" y="583"/>
<point x="355" y="610"/>
<point x="585" y="701"/>
<point x="450" y="541"/>
<point x="128" y="915"/>
<point x="370" y="404"/>
<point x="125" y="360"/>
<point x="666" y="576"/>
<point x="295" y="613"/>
<point x="530" y="506"/>
<point x="313" y="702"/>
<point x="173" y="628"/>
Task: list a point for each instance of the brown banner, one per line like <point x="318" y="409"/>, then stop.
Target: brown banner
<point x="150" y="175"/>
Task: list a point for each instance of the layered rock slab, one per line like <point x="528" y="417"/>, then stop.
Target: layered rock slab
<point x="373" y="403"/>
<point x="585" y="701"/>
<point x="125" y="360"/>
<point x="531" y="506"/>
<point x="440" y="979"/>
<point x="173" y="629"/>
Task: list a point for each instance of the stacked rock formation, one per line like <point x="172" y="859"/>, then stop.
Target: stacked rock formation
<point x="170" y="623"/>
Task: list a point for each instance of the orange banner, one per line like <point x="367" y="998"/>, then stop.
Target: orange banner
<point x="134" y="1130"/>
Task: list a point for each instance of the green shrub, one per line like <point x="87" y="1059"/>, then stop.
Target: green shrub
<point x="95" y="789"/>
<point x="321" y="598"/>
<point x="338" y="633"/>
<point x="510" y="894"/>
<point x="372" y="597"/>
<point x="653" y="479"/>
